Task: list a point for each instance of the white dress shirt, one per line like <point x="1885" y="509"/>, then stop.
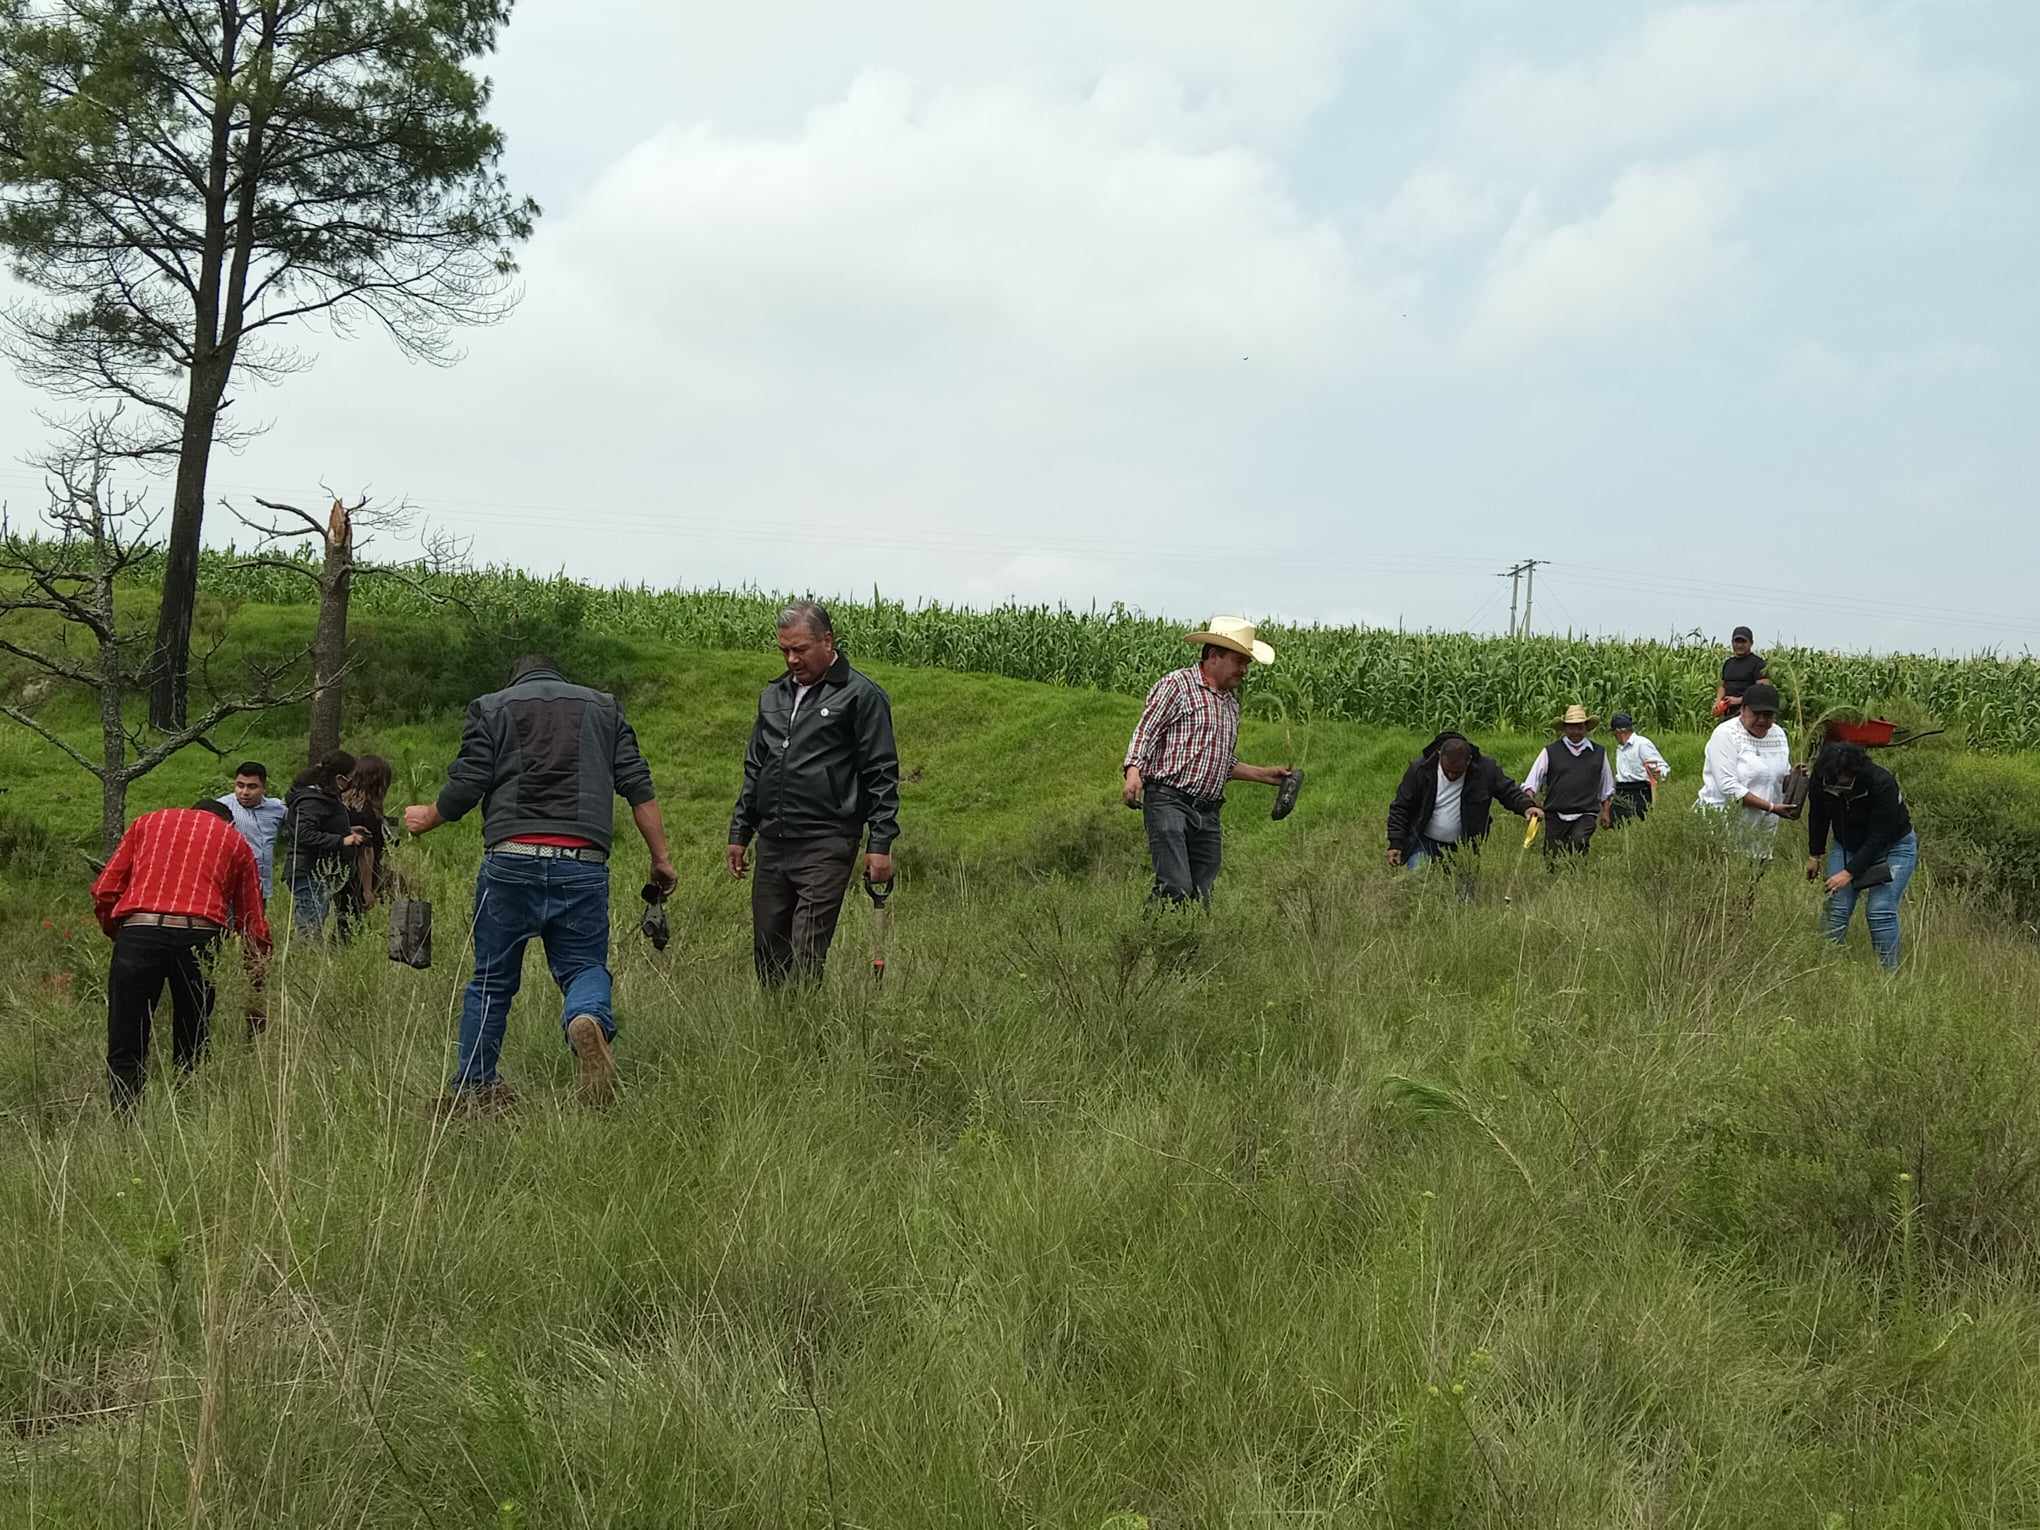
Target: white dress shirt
<point x="1631" y="758"/>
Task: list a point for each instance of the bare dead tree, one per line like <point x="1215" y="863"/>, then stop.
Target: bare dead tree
<point x="71" y="568"/>
<point x="339" y="537"/>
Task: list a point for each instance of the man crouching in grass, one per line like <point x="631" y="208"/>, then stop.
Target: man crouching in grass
<point x="544" y="757"/>
<point x="1183" y="751"/>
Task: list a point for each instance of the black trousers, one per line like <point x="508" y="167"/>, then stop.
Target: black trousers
<point x="1632" y="800"/>
<point x="145" y="957"/>
<point x="797" y="889"/>
<point x="1185" y="843"/>
<point x="1562" y="838"/>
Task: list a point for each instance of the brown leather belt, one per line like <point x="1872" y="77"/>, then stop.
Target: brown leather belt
<point x="171" y="922"/>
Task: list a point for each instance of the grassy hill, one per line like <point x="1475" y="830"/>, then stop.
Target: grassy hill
<point x="1611" y="1199"/>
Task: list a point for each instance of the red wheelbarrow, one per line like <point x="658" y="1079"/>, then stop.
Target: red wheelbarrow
<point x="1875" y="733"/>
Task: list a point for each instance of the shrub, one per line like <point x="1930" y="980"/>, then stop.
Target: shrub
<point x="1810" y="1143"/>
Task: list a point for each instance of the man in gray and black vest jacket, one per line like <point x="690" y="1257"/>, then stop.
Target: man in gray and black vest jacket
<point x="1574" y="784"/>
<point x="545" y="759"/>
<point x="821" y="774"/>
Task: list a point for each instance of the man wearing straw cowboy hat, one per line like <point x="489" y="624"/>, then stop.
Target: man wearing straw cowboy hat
<point x="1573" y="783"/>
<point x="1185" y="749"/>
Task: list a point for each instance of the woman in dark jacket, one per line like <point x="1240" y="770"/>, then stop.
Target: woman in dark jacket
<point x="317" y="839"/>
<point x="368" y="873"/>
<point x="1875" y="850"/>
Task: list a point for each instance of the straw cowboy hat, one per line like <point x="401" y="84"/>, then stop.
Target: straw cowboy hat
<point x="1578" y="714"/>
<point x="1236" y="634"/>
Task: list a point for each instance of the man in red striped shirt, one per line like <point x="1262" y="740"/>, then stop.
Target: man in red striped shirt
<point x="1183" y="751"/>
<point x="180" y="879"/>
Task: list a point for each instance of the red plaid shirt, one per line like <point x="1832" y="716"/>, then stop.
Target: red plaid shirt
<point x="183" y="861"/>
<point x="1188" y="735"/>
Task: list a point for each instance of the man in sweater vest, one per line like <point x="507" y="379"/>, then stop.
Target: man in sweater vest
<point x="1574" y="784"/>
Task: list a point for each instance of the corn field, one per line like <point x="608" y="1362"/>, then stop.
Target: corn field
<point x="1368" y="675"/>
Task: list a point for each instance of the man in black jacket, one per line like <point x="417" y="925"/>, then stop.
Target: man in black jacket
<point x="821" y="771"/>
<point x="1875" y="850"/>
<point x="544" y="758"/>
<point x="1446" y="799"/>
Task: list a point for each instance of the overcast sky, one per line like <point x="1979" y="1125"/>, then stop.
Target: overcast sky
<point x="1319" y="309"/>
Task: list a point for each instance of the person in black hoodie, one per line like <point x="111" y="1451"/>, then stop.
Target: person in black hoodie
<point x="1875" y="850"/>
<point x="317" y="839"/>
<point x="1446" y="799"/>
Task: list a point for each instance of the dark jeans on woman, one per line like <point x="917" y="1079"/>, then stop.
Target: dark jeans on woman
<point x="145" y="957"/>
<point x="1184" y="843"/>
<point x="311" y="895"/>
<point x="1880" y="904"/>
<point x="797" y="888"/>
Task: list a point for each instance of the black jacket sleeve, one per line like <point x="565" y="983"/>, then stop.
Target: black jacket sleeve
<point x="878" y="769"/>
<point x="1818" y="816"/>
<point x="1402" y="811"/>
<point x="1506" y="791"/>
<point x="627" y="765"/>
<point x="306" y="841"/>
<point x="473" y="771"/>
<point x="1888" y="823"/>
<point x="744" y="817"/>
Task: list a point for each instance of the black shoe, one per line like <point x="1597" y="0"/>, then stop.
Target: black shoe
<point x="1285" y="795"/>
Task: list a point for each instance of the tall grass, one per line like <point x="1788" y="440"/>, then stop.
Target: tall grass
<point x="1372" y="675"/>
<point x="1349" y="1205"/>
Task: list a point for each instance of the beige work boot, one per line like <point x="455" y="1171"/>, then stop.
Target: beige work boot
<point x="596" y="1084"/>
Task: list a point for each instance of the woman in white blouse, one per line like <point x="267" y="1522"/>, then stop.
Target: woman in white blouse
<point x="1748" y="759"/>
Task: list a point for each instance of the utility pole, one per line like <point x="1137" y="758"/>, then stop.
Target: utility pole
<point x="1517" y="577"/>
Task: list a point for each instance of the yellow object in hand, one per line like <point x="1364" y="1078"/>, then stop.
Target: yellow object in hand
<point x="1530" y="832"/>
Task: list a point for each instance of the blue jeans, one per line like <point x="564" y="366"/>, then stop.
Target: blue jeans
<point x="1880" y="903"/>
<point x="565" y="904"/>
<point x="1429" y="850"/>
<point x="310" y="896"/>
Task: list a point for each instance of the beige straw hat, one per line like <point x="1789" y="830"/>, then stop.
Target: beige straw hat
<point x="1235" y="633"/>
<point x="1578" y="714"/>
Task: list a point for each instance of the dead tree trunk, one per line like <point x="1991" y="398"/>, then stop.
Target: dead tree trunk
<point x="334" y="581"/>
<point x="329" y="638"/>
<point x="73" y="573"/>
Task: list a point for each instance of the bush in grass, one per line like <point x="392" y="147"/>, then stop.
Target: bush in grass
<point x="1808" y="1146"/>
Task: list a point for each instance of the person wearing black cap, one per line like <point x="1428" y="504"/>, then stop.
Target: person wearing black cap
<point x="1739" y="671"/>
<point x="1639" y="767"/>
<point x="1748" y="760"/>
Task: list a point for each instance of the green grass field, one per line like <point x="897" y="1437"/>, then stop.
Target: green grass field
<point x="1615" y="1199"/>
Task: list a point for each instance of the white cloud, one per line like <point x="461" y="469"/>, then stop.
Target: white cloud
<point x="1789" y="73"/>
<point x="1662" y="244"/>
<point x="1054" y="228"/>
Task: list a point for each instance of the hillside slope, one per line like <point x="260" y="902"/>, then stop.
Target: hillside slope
<point x="1585" y="1204"/>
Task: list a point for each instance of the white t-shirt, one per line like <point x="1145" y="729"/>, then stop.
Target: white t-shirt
<point x="1738" y="764"/>
<point x="1444" y="824"/>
